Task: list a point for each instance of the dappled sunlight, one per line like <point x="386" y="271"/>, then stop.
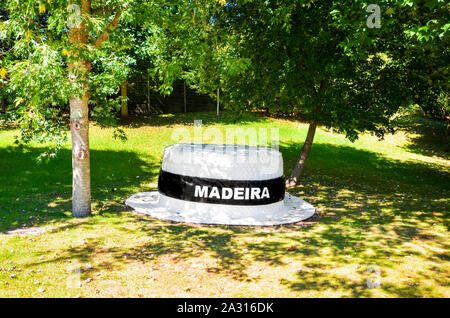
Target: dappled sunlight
<point x="42" y="192"/>
<point x="373" y="212"/>
<point x="328" y="258"/>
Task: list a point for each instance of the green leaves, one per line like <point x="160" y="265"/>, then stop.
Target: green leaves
<point x="38" y="81"/>
<point x="316" y="58"/>
<point x="40" y="85"/>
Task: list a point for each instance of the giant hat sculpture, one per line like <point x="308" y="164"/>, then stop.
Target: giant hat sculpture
<point x="222" y="184"/>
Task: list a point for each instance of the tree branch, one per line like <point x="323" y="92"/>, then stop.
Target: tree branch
<point x="101" y="10"/>
<point x="111" y="26"/>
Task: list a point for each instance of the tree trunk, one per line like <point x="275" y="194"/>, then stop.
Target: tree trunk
<point x="79" y="72"/>
<point x="304" y="153"/>
<point x="149" y="105"/>
<point x="123" y="92"/>
<point x="184" y="95"/>
<point x="218" y="105"/>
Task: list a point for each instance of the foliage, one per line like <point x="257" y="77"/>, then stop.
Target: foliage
<point x="35" y="69"/>
<point x="424" y="51"/>
<point x="315" y="58"/>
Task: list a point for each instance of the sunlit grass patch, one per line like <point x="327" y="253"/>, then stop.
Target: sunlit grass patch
<point x="383" y="211"/>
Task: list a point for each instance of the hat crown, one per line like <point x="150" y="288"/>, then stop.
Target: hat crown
<point x="228" y="162"/>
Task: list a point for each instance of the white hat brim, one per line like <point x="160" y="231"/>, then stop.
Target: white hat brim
<point x="293" y="209"/>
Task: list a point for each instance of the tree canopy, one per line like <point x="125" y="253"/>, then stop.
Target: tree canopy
<point x="348" y="66"/>
<point x="325" y="61"/>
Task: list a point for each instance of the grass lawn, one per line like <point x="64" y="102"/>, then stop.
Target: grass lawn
<point x="383" y="211"/>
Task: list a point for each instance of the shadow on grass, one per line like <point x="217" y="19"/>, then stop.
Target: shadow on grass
<point x="426" y="136"/>
<point x="359" y="168"/>
<point x="35" y="194"/>
<point x="7" y="125"/>
<point x="207" y="118"/>
<point x="370" y="211"/>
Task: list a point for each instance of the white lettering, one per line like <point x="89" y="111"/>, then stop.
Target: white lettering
<point x="255" y="193"/>
<point x="374" y="20"/>
<point x="239" y="193"/>
<point x="231" y="193"/>
<point x="201" y="191"/>
<point x="205" y="309"/>
<point x="214" y="193"/>
<point x="265" y="193"/>
<point x="227" y="193"/>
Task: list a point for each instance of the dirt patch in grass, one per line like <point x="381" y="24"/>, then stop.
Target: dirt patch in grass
<point x="35" y="230"/>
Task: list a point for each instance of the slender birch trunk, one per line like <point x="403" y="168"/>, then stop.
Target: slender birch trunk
<point x="296" y="173"/>
<point x="79" y="68"/>
<point x="123" y="93"/>
<point x="184" y="95"/>
<point x="218" y="105"/>
<point x="301" y="160"/>
<point x="79" y="120"/>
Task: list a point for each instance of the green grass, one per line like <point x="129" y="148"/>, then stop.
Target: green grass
<point x="382" y="203"/>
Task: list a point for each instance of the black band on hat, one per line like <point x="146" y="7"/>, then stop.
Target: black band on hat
<point x="219" y="191"/>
